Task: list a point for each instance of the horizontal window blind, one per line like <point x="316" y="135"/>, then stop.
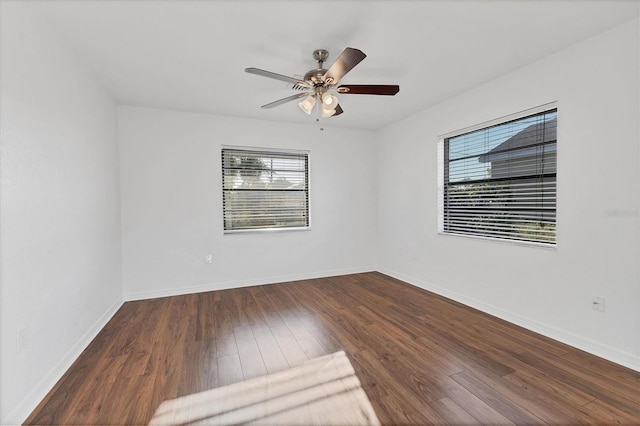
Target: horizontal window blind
<point x="265" y="189"/>
<point x="500" y="181"/>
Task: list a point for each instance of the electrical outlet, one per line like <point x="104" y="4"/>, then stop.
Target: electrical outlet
<point x="597" y="303"/>
<point x="209" y="258"/>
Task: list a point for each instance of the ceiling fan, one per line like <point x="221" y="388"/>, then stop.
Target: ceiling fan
<point x="318" y="85"/>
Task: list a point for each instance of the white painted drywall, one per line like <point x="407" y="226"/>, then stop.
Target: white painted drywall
<point x="60" y="276"/>
<point x="596" y="86"/>
<point x="172" y="204"/>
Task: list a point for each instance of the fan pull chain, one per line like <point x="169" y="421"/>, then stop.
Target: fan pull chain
<point x="319" y="106"/>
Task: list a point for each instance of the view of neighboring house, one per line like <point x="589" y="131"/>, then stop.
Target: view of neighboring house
<point x="530" y="151"/>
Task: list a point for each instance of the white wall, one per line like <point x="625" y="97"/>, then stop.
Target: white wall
<point x="596" y="86"/>
<point x="172" y="204"/>
<point x="60" y="270"/>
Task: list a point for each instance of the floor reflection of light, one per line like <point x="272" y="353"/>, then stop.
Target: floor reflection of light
<point x="323" y="390"/>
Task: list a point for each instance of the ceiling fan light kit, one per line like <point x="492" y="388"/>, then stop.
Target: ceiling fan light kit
<point x="318" y="84"/>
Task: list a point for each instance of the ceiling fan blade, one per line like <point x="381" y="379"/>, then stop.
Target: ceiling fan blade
<point x="285" y="100"/>
<point x="338" y="110"/>
<point x="258" y="71"/>
<point x="344" y="63"/>
<point x="369" y="89"/>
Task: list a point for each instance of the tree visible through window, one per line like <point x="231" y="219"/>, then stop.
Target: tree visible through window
<point x="265" y="189"/>
<point x="500" y="181"/>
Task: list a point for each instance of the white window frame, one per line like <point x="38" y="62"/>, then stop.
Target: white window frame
<point x="275" y="152"/>
<point x="440" y="155"/>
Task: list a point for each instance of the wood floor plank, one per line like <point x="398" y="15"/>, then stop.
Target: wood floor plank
<point x="225" y="338"/>
<point x="465" y="354"/>
<point x="589" y="382"/>
<point x="206" y="328"/>
<point x="473" y="405"/>
<point x="523" y="395"/>
<point x="253" y="312"/>
<point x="160" y="377"/>
<point x="549" y="386"/>
<point x="323" y="336"/>
<point x="615" y="373"/>
<point x="88" y="408"/>
<point x="289" y="312"/>
<point x="123" y="344"/>
<point x="229" y="370"/>
<point x="489" y="395"/>
<point x="272" y="356"/>
<point x="454" y="414"/>
<point x="235" y="303"/>
<point x="606" y="413"/>
<point x="250" y="357"/>
<point x="129" y="404"/>
<point x="289" y="346"/>
<point x="264" y="306"/>
<point x="92" y="391"/>
<point x="510" y="341"/>
<point x="204" y="370"/>
<point x="389" y="389"/>
<point x="312" y="348"/>
<point x="421" y="358"/>
<point x="554" y="409"/>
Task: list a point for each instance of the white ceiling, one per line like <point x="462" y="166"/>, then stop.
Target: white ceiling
<point x="190" y="55"/>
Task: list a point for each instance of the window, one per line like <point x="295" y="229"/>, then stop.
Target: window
<point x="265" y="189"/>
<point x="499" y="180"/>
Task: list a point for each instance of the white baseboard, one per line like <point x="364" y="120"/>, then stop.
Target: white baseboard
<point x="242" y="283"/>
<point x="20" y="413"/>
<point x="612" y="354"/>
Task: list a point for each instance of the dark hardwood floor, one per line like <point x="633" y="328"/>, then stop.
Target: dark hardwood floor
<point x="421" y="358"/>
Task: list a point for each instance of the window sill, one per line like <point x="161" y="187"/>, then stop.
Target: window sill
<point x="552" y="247"/>
<point x="266" y="230"/>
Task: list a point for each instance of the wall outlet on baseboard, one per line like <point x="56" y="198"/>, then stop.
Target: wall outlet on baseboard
<point x="208" y="258"/>
<point x="597" y="303"/>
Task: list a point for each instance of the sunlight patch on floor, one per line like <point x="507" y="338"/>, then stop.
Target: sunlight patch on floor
<point x="322" y="391"/>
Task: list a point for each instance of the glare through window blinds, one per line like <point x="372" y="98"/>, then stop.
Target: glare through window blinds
<point x="265" y="189"/>
<point x="500" y="181"/>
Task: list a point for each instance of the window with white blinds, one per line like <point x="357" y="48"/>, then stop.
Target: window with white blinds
<point x="499" y="181"/>
<point x="265" y="189"/>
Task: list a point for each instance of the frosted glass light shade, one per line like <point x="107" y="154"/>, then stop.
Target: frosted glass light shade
<point x="329" y="101"/>
<point x="327" y="112"/>
<point x="307" y="104"/>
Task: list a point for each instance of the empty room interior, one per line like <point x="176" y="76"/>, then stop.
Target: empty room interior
<point x="319" y="212"/>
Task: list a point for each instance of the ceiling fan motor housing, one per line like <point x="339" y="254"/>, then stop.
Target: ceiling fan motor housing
<point x="316" y="76"/>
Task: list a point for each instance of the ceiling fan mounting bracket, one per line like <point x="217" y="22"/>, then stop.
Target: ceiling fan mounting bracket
<point x="320" y="55"/>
